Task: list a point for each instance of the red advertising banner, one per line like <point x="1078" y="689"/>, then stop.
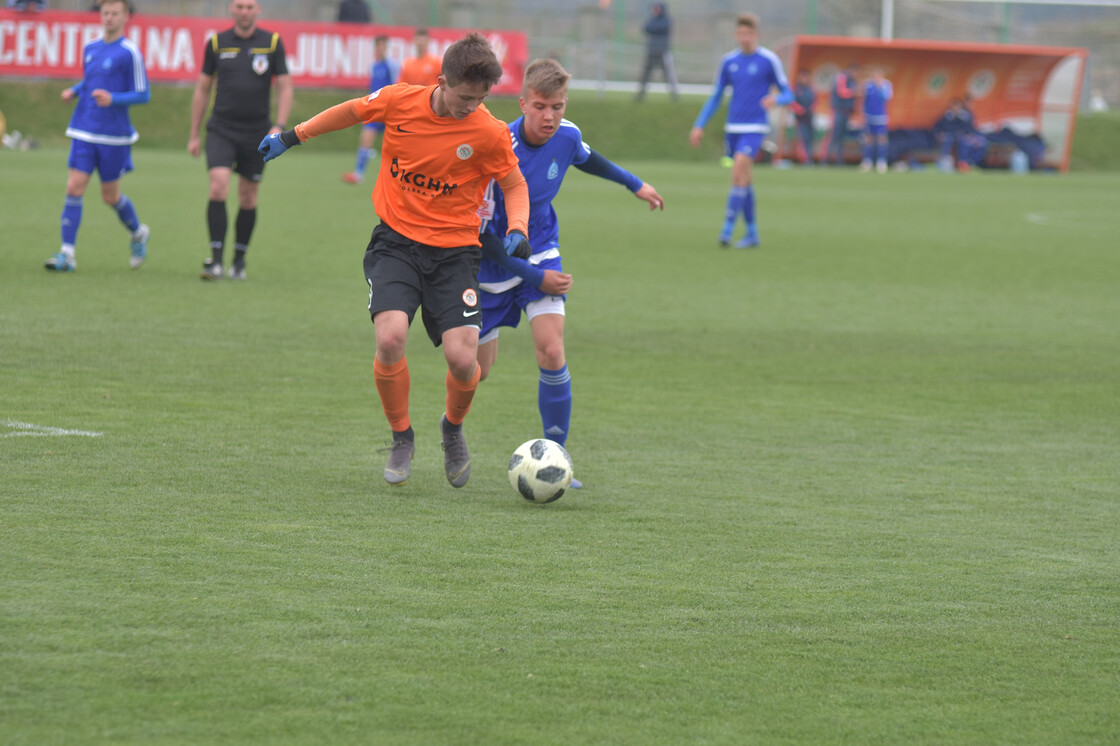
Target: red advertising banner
<point x="320" y="55"/>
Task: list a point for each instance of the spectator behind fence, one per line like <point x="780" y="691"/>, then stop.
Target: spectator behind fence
<point x="659" y="30"/>
<point x="804" y="101"/>
<point x="843" y="100"/>
<point x="28" y="4"/>
<point x="353" y="11"/>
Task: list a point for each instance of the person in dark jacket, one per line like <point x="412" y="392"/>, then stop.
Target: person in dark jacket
<point x="658" y="30"/>
<point x="844" y="90"/>
<point x="804" y="101"/>
<point x="353" y="11"/>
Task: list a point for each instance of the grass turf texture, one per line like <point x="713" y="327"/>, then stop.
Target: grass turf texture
<point x="858" y="486"/>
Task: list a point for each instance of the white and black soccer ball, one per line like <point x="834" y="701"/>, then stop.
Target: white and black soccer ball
<point x="540" y="470"/>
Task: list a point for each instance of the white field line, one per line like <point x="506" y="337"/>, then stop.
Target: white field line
<point x="24" y="429"/>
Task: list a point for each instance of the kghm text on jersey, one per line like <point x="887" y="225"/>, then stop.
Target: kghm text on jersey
<point x="424" y="183"/>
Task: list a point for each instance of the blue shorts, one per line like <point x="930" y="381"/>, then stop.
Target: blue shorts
<point x="111" y="161"/>
<point x="375" y="126"/>
<point x="505" y="309"/>
<point x="876" y="129"/>
<point x="747" y="143"/>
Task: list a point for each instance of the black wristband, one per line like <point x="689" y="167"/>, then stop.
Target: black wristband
<point x="289" y="138"/>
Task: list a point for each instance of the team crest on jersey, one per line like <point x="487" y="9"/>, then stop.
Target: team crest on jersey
<point x="107" y="64"/>
<point x="464" y="151"/>
<point x="553" y="171"/>
<point x="752" y="69"/>
<point x="470" y="297"/>
<point x="260" y="64"/>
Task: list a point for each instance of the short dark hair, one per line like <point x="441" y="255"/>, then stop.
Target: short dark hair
<point x="471" y="60"/>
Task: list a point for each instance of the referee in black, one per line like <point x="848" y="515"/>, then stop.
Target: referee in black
<point x="243" y="60"/>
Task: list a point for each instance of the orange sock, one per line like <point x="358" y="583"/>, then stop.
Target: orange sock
<point x="392" y="386"/>
<point x="459" y="396"/>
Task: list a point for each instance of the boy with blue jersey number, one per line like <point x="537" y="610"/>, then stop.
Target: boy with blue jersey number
<point x="101" y="133"/>
<point x="751" y="73"/>
<point x="546" y="145"/>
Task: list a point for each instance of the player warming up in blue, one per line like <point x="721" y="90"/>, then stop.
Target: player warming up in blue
<point x="101" y="133"/>
<point x="546" y="145"/>
<point x="383" y="72"/>
<point x="877" y="93"/>
<point x="751" y="73"/>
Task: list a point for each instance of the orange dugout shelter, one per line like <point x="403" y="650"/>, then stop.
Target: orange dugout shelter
<point x="1031" y="90"/>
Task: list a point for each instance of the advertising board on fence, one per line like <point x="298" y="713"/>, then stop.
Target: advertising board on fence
<point x="320" y="55"/>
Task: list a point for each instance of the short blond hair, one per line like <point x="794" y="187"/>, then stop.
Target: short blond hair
<point x="750" y="20"/>
<point x="546" y="76"/>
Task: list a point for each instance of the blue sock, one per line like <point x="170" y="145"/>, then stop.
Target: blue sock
<point x="554" y="397"/>
<point x="127" y="213"/>
<point x="748" y="205"/>
<point x="71" y="219"/>
<point x="735" y="199"/>
<point x="362" y="161"/>
<point x="882" y="152"/>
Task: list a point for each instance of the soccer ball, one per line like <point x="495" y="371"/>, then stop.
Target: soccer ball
<point x="540" y="470"/>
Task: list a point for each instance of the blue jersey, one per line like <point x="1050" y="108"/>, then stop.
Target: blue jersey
<point x="117" y="67"/>
<point x="875" y="98"/>
<point x="382" y="73"/>
<point x="750" y="77"/>
<point x="543" y="167"/>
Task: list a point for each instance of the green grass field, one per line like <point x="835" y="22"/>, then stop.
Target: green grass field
<point x="856" y="487"/>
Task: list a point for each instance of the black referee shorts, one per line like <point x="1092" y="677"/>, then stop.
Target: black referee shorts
<point x="226" y="148"/>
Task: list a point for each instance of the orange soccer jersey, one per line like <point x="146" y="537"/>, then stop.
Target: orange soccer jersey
<point x="434" y="170"/>
<point x="421" y="70"/>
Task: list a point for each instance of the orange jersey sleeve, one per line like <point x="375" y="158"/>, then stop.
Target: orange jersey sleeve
<point x="338" y="117"/>
<point x="434" y="170"/>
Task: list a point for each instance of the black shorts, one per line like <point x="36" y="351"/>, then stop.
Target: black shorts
<point x="236" y="150"/>
<point x="403" y="275"/>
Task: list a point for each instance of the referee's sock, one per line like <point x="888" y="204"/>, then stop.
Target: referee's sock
<point x="218" y="221"/>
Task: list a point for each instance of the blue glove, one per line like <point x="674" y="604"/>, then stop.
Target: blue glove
<point x="517" y="245"/>
<point x="272" y="146"/>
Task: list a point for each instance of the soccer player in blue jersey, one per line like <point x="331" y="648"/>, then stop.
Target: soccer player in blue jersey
<point x="752" y="73"/>
<point x="383" y="72"/>
<point x="877" y="93"/>
<point x="101" y="134"/>
<point x="546" y="145"/>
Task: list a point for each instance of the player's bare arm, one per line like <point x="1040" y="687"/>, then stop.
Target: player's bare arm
<point x="199" y="101"/>
<point x="284" y="94"/>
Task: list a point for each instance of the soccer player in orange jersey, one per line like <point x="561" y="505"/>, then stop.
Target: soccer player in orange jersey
<point x="440" y="150"/>
<point x="424" y="68"/>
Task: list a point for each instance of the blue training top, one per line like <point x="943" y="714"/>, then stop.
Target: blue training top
<point x="382" y="73"/>
<point x="543" y="167"/>
<point x="117" y="67"/>
<point x="875" y="98"/>
<point x="750" y="77"/>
